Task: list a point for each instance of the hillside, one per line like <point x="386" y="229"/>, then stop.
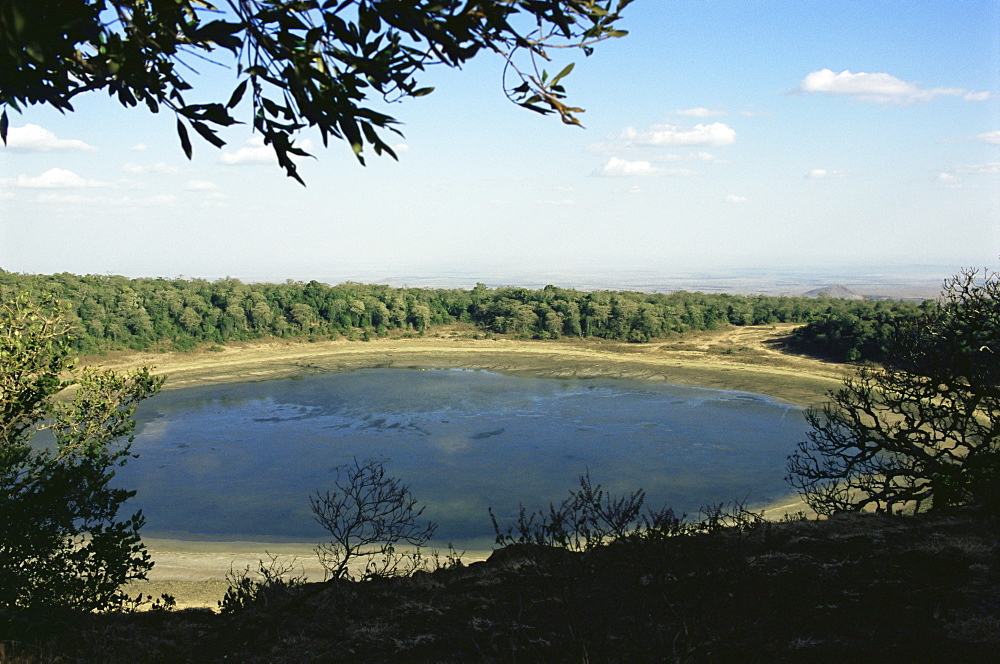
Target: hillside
<point x="841" y="292"/>
<point x="857" y="588"/>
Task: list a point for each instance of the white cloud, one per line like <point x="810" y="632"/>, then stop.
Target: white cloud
<point x="992" y="137"/>
<point x="690" y="156"/>
<point x="255" y="152"/>
<point x="127" y="183"/>
<point x="953" y="181"/>
<point x="733" y="198"/>
<point x="119" y="202"/>
<point x="200" y="185"/>
<point x="700" y="112"/>
<point x="33" y="138"/>
<point x="980" y="169"/>
<point x="215" y="199"/>
<point x="878" y="87"/>
<point x="138" y="147"/>
<point x="616" y="167"/>
<point x="57" y="178"/>
<point x="159" y="168"/>
<point x="400" y="148"/>
<point x="823" y="174"/>
<point x="717" y="133"/>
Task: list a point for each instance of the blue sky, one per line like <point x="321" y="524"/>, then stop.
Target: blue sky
<point x="719" y="135"/>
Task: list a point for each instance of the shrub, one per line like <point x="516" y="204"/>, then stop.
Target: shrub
<point x="589" y="517"/>
<point x="268" y="586"/>
<point x="923" y="428"/>
<point x="367" y="515"/>
<point x="62" y="541"/>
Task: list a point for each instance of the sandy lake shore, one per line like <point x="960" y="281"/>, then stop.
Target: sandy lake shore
<point x="737" y="358"/>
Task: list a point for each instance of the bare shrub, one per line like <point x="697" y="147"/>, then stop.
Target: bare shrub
<point x="589" y="517"/>
<point x="268" y="584"/>
<point x="367" y="515"/>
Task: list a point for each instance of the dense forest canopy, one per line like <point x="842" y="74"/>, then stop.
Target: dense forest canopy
<point x="115" y="312"/>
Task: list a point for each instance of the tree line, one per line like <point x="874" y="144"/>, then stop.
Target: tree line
<point x="856" y="335"/>
<point x="108" y="312"/>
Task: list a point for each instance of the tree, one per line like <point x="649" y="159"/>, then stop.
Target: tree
<point x="367" y="515"/>
<point x="924" y="427"/>
<point x="306" y="63"/>
<point x="62" y="542"/>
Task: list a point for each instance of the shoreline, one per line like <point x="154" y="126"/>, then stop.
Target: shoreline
<point x="742" y="359"/>
<point x="739" y="359"/>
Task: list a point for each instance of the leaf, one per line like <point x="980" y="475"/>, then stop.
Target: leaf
<point x="565" y="72"/>
<point x="208" y="134"/>
<point x="3" y="126"/>
<point x="536" y="109"/>
<point x="221" y="33"/>
<point x="237" y="94"/>
<point x="185" y="141"/>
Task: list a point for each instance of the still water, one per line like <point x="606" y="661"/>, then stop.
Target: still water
<point x="240" y="461"/>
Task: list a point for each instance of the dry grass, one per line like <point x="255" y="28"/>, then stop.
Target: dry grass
<point x="736" y="358"/>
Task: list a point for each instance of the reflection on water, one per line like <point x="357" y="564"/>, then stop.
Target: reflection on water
<point x="239" y="461"/>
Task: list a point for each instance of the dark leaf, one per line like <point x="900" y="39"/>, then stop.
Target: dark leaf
<point x="208" y="134"/>
<point x="185" y="141"/>
<point x="221" y="33"/>
<point x="3" y="127"/>
<point x="237" y="94"/>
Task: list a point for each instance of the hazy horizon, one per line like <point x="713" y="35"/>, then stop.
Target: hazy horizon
<point x="896" y="281"/>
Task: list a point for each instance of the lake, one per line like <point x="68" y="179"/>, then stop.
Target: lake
<point x="239" y="461"/>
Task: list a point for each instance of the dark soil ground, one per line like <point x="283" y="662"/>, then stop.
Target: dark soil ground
<point x="857" y="588"/>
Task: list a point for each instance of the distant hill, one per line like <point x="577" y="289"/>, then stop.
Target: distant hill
<point x="842" y="292"/>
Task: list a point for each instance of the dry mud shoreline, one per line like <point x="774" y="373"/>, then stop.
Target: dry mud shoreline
<point x="739" y="358"/>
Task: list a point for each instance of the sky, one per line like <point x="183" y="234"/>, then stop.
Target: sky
<point x="721" y="135"/>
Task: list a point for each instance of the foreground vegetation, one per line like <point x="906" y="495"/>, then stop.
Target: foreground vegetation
<point x="849" y="589"/>
<point x="112" y="312"/>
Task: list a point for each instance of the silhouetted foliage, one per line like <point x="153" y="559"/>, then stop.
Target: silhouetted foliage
<point x="62" y="541"/>
<point x="305" y="63"/>
<point x="924" y="427"/>
<point x="264" y="588"/>
<point x="591" y="517"/>
<point x="367" y="516"/>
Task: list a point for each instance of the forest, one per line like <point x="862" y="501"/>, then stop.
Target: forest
<point x="110" y="312"/>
